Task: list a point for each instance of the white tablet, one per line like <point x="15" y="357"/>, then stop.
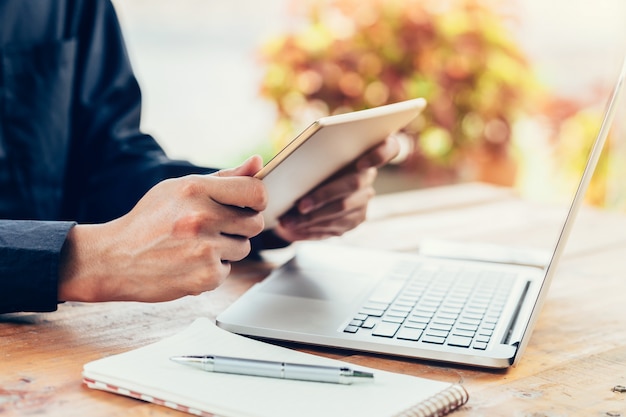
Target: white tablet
<point x="325" y="147"/>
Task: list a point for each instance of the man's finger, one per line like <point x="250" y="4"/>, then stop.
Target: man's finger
<point x="243" y="192"/>
<point x="247" y="169"/>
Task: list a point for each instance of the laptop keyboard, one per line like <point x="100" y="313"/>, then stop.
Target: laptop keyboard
<point x="453" y="306"/>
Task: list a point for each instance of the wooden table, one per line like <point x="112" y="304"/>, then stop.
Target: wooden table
<point x="575" y="363"/>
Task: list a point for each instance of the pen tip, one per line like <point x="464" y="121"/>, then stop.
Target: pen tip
<point x="362" y="374"/>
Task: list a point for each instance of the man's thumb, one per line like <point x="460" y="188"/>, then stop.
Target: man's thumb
<point x="247" y="169"/>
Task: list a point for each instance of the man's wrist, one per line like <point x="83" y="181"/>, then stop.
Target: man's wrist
<point x="74" y="278"/>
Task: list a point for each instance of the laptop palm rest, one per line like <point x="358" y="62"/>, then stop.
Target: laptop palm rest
<point x="315" y="282"/>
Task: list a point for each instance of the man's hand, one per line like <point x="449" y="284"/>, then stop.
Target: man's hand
<point x="179" y="239"/>
<point x="339" y="204"/>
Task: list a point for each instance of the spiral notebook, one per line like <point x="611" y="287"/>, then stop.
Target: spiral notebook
<point x="148" y="374"/>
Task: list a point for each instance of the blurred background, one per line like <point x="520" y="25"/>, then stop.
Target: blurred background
<point x="516" y="88"/>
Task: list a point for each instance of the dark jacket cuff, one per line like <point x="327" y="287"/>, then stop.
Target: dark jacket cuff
<point x="29" y="264"/>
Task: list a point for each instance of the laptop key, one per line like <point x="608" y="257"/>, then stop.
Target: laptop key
<point x="370" y="322"/>
<point x="485" y="332"/>
<point x="374" y="305"/>
<point x="491" y="319"/>
<point x="471" y="316"/>
<point x="385" y="329"/>
<point x="401" y="308"/>
<point x="461" y="341"/>
<point x="437" y="333"/>
<point x="415" y="325"/>
<point x="469" y="321"/>
<point x="443" y="321"/>
<point x="442" y="327"/>
<point x="371" y="312"/>
<point x="480" y="345"/>
<point x="483" y="338"/>
<point x="393" y="319"/>
<point x="419" y="319"/>
<point x="351" y="329"/>
<point x="467" y="327"/>
<point x="433" y="339"/>
<point x="423" y="313"/>
<point x="464" y="333"/>
<point x="404" y="301"/>
<point x="449" y="316"/>
<point x="406" y="333"/>
<point x="397" y="313"/>
<point x="488" y="326"/>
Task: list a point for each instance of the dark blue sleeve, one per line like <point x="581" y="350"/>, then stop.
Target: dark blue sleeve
<point x="112" y="163"/>
<point x="29" y="264"/>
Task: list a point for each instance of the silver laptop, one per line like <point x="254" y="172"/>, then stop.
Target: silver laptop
<point x="469" y="311"/>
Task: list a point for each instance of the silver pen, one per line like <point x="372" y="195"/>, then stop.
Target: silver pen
<point x="271" y="369"/>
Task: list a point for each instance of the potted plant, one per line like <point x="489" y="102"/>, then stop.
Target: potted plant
<point x="355" y="54"/>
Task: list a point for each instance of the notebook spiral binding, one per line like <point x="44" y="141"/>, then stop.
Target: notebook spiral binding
<point x="440" y="404"/>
